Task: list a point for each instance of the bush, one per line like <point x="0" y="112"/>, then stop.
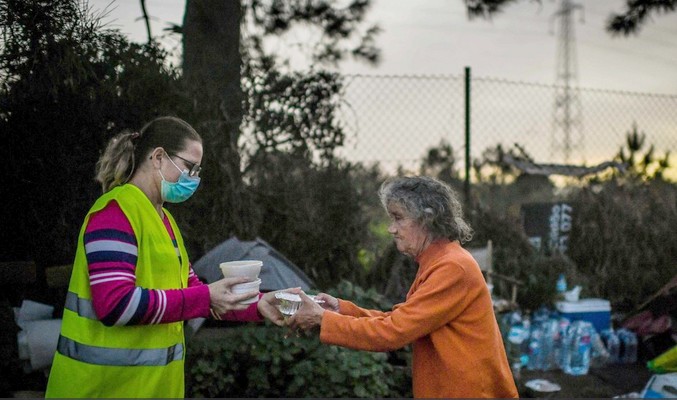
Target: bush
<point x="624" y="239"/>
<point x="258" y="361"/>
<point x="311" y="214"/>
<point x="261" y="361"/>
<point x="68" y="85"/>
<point x="623" y="244"/>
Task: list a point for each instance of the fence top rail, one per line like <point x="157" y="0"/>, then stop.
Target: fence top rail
<point x="406" y="76"/>
<point x="510" y="82"/>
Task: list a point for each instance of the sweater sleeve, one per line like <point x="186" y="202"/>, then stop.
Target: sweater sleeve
<point x="249" y="314"/>
<point x="111" y="250"/>
<point x="193" y="280"/>
<point x="349" y="308"/>
<point x="439" y="298"/>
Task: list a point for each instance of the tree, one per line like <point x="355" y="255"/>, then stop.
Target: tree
<point x="440" y="162"/>
<point x="68" y="84"/>
<point x="636" y="15"/>
<point x="630" y="21"/>
<point x="247" y="99"/>
<point x="212" y="67"/>
<point x="641" y="166"/>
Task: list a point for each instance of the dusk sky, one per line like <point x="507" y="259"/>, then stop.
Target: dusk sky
<point x="436" y="37"/>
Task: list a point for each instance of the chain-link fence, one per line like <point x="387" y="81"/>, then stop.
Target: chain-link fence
<point x="393" y="120"/>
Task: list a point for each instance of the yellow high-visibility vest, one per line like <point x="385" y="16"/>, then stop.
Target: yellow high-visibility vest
<point x="94" y="360"/>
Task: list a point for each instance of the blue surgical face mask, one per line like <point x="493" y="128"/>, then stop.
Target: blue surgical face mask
<point x="181" y="190"/>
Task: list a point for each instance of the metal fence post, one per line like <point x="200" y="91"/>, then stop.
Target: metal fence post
<point x="467" y="135"/>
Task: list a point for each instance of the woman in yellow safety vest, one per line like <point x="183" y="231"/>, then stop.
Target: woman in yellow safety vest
<point x="132" y="285"/>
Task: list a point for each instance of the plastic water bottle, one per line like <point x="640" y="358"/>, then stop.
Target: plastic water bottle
<point x="535" y="348"/>
<point x="524" y="348"/>
<point x="516" y="335"/>
<point x="600" y="355"/>
<point x="561" y="285"/>
<point x="509" y="320"/>
<point x="628" y="341"/>
<point x="577" y="358"/>
<point x="541" y="315"/>
<point x="550" y="339"/>
<point x="561" y="344"/>
<point x="613" y="345"/>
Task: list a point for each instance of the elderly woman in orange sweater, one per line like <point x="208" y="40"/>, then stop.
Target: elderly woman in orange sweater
<point x="447" y="314"/>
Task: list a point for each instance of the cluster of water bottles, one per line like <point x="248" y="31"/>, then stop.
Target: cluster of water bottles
<point x="548" y="341"/>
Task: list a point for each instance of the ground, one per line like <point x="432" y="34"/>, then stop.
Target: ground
<point x="607" y="382"/>
<point x="603" y="382"/>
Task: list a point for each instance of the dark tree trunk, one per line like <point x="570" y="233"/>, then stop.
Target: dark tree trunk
<point x="211" y="55"/>
<point x="212" y="67"/>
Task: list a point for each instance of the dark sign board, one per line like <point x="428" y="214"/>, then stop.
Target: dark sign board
<point x="548" y="225"/>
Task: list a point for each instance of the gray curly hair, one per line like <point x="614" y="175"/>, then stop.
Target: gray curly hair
<point x="432" y="203"/>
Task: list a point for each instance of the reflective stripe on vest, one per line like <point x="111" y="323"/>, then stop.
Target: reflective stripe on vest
<point x="82" y="307"/>
<point x="119" y="357"/>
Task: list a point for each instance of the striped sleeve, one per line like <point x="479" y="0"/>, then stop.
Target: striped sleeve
<point x="193" y="279"/>
<point x="111" y="250"/>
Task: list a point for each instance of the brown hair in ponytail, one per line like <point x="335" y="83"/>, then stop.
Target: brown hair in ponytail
<point x="127" y="150"/>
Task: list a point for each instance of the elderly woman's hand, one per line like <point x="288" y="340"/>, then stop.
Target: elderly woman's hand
<point x="327" y="302"/>
<point x="308" y="316"/>
<point x="267" y="306"/>
<point x="221" y="298"/>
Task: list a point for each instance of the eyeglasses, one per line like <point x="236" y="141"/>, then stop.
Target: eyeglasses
<point x="194" y="169"/>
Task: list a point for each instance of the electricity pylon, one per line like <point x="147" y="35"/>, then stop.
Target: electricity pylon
<point x="567" y="121"/>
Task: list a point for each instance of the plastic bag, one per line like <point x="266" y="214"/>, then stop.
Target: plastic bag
<point x="666" y="362"/>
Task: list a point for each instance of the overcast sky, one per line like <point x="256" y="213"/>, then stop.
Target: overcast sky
<point x="436" y="37"/>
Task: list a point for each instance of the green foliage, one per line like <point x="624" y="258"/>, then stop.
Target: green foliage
<point x="440" y="162"/>
<point x="624" y="239"/>
<point x="250" y="101"/>
<point x="347" y="374"/>
<point x="312" y="214"/>
<point x="252" y="106"/>
<point x="503" y="187"/>
<point x="491" y="168"/>
<point x="629" y="21"/>
<point x="259" y="361"/>
<point x="67" y="85"/>
<point x="515" y="257"/>
<point x="539" y="274"/>
<point x="374" y="245"/>
<point x="268" y="361"/>
<point x="292" y="112"/>
<point x="338" y="30"/>
<point x="375" y="299"/>
<point x="640" y="166"/>
<point x="367" y="182"/>
<point x="86" y="83"/>
<point x="635" y="15"/>
<point x="369" y="299"/>
<point x="622" y="245"/>
<point x="392" y="275"/>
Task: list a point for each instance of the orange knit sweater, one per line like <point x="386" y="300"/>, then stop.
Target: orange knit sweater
<point x="448" y="315"/>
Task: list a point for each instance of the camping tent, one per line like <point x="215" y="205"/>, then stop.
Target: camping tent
<point x="277" y="272"/>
